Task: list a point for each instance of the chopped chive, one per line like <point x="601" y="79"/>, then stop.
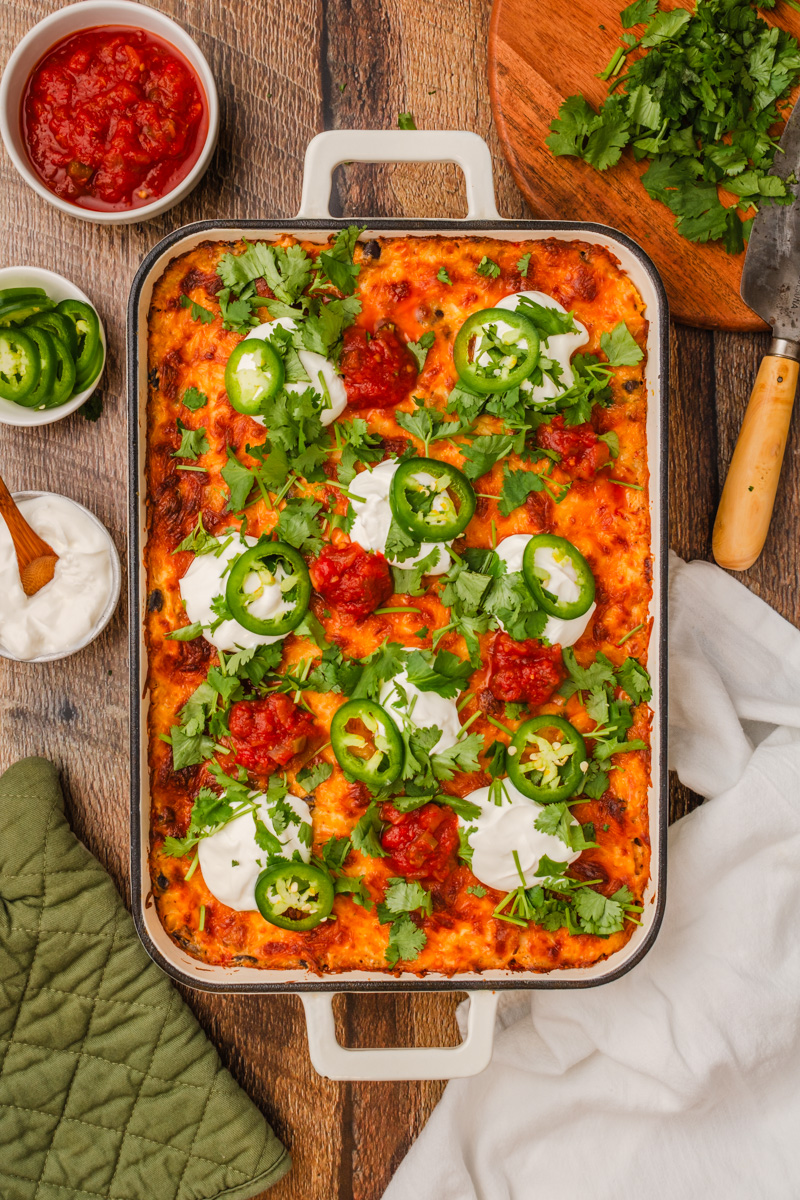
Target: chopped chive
<point x="186" y="467"/>
<point x="515" y="856"/>
<point x="499" y="725"/>
<point x="193" y="867"/>
<point x="468" y="722"/>
<point x="379" y="612"/>
<point x="202" y="924"/>
<point x="635" y="629"/>
<point x="636" y="486"/>
<point x="494" y="535"/>
<point x="465" y="701"/>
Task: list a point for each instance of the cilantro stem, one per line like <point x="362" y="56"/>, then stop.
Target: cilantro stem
<point x="499" y="725"/>
<point x="406" y="608"/>
<point x="186" y="467"/>
<point x="494" y="535"/>
<point x="635" y="629"/>
<point x="465" y="701"/>
<point x="611" y="69"/>
<point x="193" y="867"/>
<point x="202" y="924"/>
<point x="636" y="486"/>
<point x="486" y="496"/>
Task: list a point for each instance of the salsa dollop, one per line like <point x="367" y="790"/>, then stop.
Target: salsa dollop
<point x="113" y="118"/>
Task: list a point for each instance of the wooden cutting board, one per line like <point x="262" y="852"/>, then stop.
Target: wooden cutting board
<point x="541" y="51"/>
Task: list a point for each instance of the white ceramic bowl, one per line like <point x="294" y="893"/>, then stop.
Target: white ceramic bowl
<point x="113" y="598"/>
<point x="61" y="24"/>
<point x="57" y="288"/>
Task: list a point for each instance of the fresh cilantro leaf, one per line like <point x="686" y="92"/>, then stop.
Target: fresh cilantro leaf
<point x="463" y="756"/>
<point x="335" y="852"/>
<point x="620" y="347"/>
<point x="548" y="320"/>
<point x="611" y="439"/>
<point x="477" y="890"/>
<point x="187" y="634"/>
<point x="488" y="267"/>
<point x="598" y="914"/>
<point x="444" y="673"/>
<point x="188" y="749"/>
<point x="665" y="26"/>
<point x="399" y="544"/>
<point x="337" y="263"/>
<point x="193" y="442"/>
<point x="427" y="424"/>
<point x="443" y="277"/>
<point x="287" y="271"/>
<point x="406" y="940"/>
<point x="366" y="833"/>
<point x="420" y="349"/>
<point x="523" y="263"/>
<point x="637" y="13"/>
<point x="355" y="887"/>
<point x="406" y="121"/>
<point x="404" y="895"/>
<point x="203" y="315"/>
<point x="240" y="481"/>
<point x="595" y="781"/>
<point x="408" y="580"/>
<point x="571" y="128"/>
<point x="634" y="679"/>
<point x="314" y="774"/>
<point x="517" y="486"/>
<point x="193" y="399"/>
<point x="199" y="541"/>
<point x="486" y="450"/>
<point x="585" y="678"/>
<point x="298" y="525"/>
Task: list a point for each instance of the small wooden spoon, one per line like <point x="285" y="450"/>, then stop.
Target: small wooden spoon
<point x="35" y="559"/>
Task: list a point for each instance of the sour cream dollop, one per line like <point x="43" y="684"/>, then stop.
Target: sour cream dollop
<point x="319" y="370"/>
<point x="559" y="347"/>
<point x="422" y="709"/>
<point x="563" y="583"/>
<point x="503" y="828"/>
<point x="369" y="495"/>
<point x="231" y="859"/>
<point x="207" y="578"/>
<point x="62" y="614"/>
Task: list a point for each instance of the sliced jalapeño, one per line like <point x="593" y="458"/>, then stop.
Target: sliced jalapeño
<point x="495" y="349"/>
<point x="545" y="555"/>
<point x="266" y="566"/>
<point x="294" y="895"/>
<point x="432" y="500"/>
<point x="367" y="743"/>
<point x="547" y="759"/>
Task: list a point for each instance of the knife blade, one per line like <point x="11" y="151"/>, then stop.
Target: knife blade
<point x="771" y="287"/>
<point x="771" y="275"/>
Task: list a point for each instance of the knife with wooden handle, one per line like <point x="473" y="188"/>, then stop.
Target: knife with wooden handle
<point x="771" y="287"/>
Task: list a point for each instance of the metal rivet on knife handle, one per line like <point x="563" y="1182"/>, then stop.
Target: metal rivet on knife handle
<point x="745" y="509"/>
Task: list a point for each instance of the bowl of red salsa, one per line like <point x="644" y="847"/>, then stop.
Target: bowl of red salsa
<point x="109" y="111"/>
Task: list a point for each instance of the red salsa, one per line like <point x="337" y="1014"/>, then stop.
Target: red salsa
<point x="524" y="671"/>
<point x="266" y="734"/>
<point x="422" y="844"/>
<point x="351" y="579"/>
<point x="113" y="118"/>
<point x="378" y="369"/>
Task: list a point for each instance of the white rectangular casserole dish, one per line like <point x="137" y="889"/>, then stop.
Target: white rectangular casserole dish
<point x="314" y="223"/>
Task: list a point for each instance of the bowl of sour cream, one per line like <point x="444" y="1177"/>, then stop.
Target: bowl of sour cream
<point x="76" y="605"/>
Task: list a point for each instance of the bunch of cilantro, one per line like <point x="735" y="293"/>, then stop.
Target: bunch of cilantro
<point x="700" y="104"/>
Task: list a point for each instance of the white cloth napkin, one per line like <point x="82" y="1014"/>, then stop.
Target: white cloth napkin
<point x="681" y="1080"/>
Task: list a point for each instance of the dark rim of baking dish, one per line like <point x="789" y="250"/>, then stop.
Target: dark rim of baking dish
<point x="411" y="226"/>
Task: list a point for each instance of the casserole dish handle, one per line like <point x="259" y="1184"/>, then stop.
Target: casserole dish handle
<point x="334" y="1061"/>
<point x="327" y="151"/>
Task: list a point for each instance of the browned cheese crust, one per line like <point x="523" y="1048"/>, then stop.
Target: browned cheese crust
<point x="608" y="523"/>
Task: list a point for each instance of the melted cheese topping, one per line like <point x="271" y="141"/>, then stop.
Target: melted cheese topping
<point x="609" y="524"/>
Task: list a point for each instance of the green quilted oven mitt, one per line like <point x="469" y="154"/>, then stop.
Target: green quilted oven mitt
<point x="108" y="1086"/>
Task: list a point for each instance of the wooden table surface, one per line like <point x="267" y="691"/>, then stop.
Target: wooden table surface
<point x="285" y="72"/>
